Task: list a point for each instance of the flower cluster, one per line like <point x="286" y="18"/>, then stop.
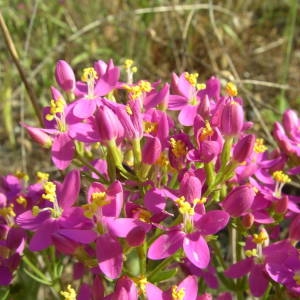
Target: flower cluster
<point x="167" y="193"/>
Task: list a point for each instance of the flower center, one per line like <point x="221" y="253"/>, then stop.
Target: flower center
<point x="177" y="294"/>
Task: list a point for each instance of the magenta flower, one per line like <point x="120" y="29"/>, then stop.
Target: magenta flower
<point x="65" y="76"/>
<point x="232" y="119"/>
<point x="187" y="289"/>
<point x="194" y="244"/>
<point x="96" y="82"/>
<point x="57" y="221"/>
<point x="239" y="200"/>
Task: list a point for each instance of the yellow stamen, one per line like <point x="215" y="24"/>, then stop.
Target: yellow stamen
<point x="22" y="175"/>
<point x="69" y="293"/>
<point x="191" y="78"/>
<point x="145" y="86"/>
<point x="201" y="86"/>
<point x="41" y="176"/>
<point x="184" y="207"/>
<point x="260" y="238"/>
<point x="177" y="294"/>
<point x="150" y="127"/>
<point x="281" y="177"/>
<point x="21" y="200"/>
<point x="206" y="132"/>
<point x="231" y="89"/>
<point x="99" y="199"/>
<point x="128" y="109"/>
<point x="7" y="211"/>
<point x="35" y="210"/>
<point x="178" y="147"/>
<point x="251" y="253"/>
<point x="89" y="74"/>
<point x="50" y="191"/>
<point x="259" y="146"/>
<point x="296" y="277"/>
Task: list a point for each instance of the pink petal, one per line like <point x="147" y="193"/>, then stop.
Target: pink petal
<point x="62" y="151"/>
<point x="77" y="235"/>
<point x="258" y="281"/>
<point x="239" y="269"/>
<point x="84" y="108"/>
<point x="166" y="245"/>
<point x="212" y="222"/>
<point x="153" y="292"/>
<point x="68" y="192"/>
<point x="190" y="285"/>
<point x="187" y="115"/>
<point x="196" y="250"/>
<point x="109" y="255"/>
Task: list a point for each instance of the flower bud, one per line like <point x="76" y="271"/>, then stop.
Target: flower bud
<point x="248" y="220"/>
<point x="232" y="119"/>
<point x="281" y="205"/>
<point x="151" y="150"/>
<point x="244" y="148"/>
<point x="39" y="136"/>
<point x="290" y="121"/>
<point x="239" y="200"/>
<point x="65" y="76"/>
<point x="107" y="123"/>
<point x="294" y="230"/>
<point x="204" y="107"/>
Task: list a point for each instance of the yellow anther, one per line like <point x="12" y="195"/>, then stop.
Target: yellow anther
<point x="22" y="201"/>
<point x="191" y="78"/>
<point x="128" y="109"/>
<point x="50" y="191"/>
<point x="150" y="127"/>
<point x="35" y="210"/>
<point x="89" y="74"/>
<point x="178" y="147"/>
<point x="49" y="117"/>
<point x="22" y="175"/>
<point x="128" y="63"/>
<point x="296" y="277"/>
<point x="184" y="207"/>
<point x="135" y="91"/>
<point x="41" y="176"/>
<point x="259" y="146"/>
<point x="200" y="200"/>
<point x="260" y="238"/>
<point x="142" y="281"/>
<point x="99" y="199"/>
<point x="143" y="214"/>
<point x="89" y="210"/>
<point x="177" y="294"/>
<point x="69" y="293"/>
<point x="231" y="89"/>
<point x="7" y="211"/>
<point x="193" y="101"/>
<point x="134" y="69"/>
<point x="206" y="132"/>
<point x="201" y="86"/>
<point x="251" y="253"/>
<point x="163" y="160"/>
<point x="281" y="177"/>
<point x="145" y="86"/>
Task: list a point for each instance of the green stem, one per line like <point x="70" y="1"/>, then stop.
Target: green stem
<point x="91" y="167"/>
<point x="161" y="266"/>
<point x="36" y="270"/>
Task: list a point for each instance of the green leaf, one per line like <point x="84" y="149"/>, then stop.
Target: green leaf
<point x="163" y="275"/>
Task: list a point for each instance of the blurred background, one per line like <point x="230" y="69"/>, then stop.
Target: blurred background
<point x="251" y="42"/>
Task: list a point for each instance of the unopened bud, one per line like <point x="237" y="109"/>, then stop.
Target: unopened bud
<point x="65" y="76"/>
<point x="244" y="148"/>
